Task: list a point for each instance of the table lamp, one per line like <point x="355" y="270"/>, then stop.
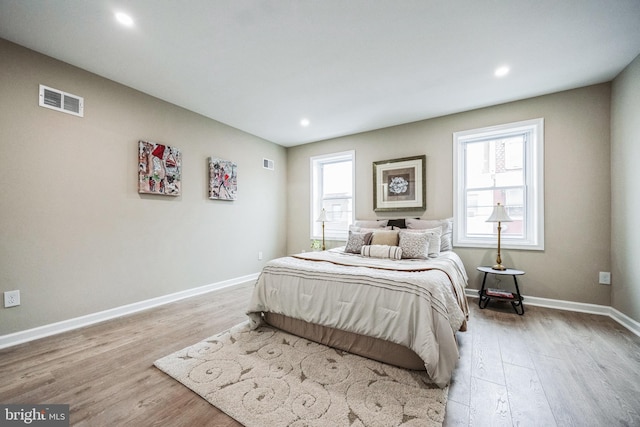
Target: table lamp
<point x="322" y="218"/>
<point x="499" y="215"/>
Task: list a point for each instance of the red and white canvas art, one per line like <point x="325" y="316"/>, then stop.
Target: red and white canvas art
<point x="223" y="179"/>
<point x="159" y="169"/>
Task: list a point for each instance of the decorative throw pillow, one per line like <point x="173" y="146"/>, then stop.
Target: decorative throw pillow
<point x="356" y="241"/>
<point x="381" y="251"/>
<point x="446" y="225"/>
<point x="432" y="236"/>
<point x="385" y="237"/>
<point x="414" y="245"/>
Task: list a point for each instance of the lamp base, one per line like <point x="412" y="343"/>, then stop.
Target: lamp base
<point x="499" y="267"/>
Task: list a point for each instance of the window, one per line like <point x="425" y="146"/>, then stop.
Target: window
<point x="499" y="164"/>
<point x="332" y="188"/>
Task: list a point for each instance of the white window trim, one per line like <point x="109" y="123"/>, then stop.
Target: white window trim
<point x="316" y="203"/>
<point x="534" y="186"/>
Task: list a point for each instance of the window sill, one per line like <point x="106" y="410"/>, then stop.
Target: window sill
<point x="503" y="245"/>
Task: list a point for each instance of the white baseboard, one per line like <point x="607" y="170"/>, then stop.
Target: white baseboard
<point x="581" y="307"/>
<point x="79" y="322"/>
<point x="82" y="321"/>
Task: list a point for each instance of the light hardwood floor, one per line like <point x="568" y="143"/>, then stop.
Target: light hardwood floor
<point x="545" y="368"/>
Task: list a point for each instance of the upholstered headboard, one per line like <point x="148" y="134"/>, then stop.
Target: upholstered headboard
<point x="446" y="226"/>
<point x="375" y="223"/>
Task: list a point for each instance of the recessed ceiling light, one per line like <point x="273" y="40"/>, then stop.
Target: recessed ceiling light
<point x="304" y="122"/>
<point x="124" y="19"/>
<point x="501" y="71"/>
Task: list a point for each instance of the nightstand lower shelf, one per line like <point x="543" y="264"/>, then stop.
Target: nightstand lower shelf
<point x="515" y="298"/>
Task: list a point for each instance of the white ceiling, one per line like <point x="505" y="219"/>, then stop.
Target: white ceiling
<point x="347" y="65"/>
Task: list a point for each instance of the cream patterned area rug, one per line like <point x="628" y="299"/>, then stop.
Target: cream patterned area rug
<point x="270" y="378"/>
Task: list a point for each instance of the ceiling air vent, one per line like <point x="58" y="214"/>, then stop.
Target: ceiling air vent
<point x="267" y="164"/>
<point x="61" y="101"/>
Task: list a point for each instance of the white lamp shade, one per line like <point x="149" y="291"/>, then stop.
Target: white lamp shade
<point x="322" y="217"/>
<point x="499" y="214"/>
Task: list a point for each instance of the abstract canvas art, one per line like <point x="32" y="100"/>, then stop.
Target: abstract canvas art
<point x="223" y="179"/>
<point x="159" y="169"/>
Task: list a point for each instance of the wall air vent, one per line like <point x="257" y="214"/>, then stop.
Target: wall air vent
<point x="61" y="101"/>
<point x="267" y="164"/>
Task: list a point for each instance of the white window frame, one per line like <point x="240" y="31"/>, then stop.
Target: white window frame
<point x="533" y="187"/>
<point x="316" y="163"/>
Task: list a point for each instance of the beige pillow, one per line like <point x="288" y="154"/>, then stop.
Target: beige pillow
<point x="385" y="237"/>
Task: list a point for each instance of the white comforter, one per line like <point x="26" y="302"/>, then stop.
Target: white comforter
<point x="416" y="303"/>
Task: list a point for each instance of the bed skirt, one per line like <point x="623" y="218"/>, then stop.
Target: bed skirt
<point x="369" y="347"/>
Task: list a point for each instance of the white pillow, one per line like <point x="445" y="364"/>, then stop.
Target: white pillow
<point x="367" y="229"/>
<point x="446" y="225"/>
<point x="381" y="223"/>
<point x="432" y="236"/>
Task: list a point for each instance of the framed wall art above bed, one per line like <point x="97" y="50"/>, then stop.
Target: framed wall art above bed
<point x="400" y="184"/>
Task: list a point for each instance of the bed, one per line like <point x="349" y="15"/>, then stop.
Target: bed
<point x="402" y="310"/>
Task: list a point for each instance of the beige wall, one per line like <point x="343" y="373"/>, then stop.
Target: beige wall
<point x="77" y="238"/>
<point x="75" y="235"/>
<point x="577" y="193"/>
<point x="625" y="191"/>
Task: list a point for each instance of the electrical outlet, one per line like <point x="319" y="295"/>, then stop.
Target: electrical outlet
<point x="260" y="256"/>
<point x="11" y="298"/>
<point x="605" y="278"/>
